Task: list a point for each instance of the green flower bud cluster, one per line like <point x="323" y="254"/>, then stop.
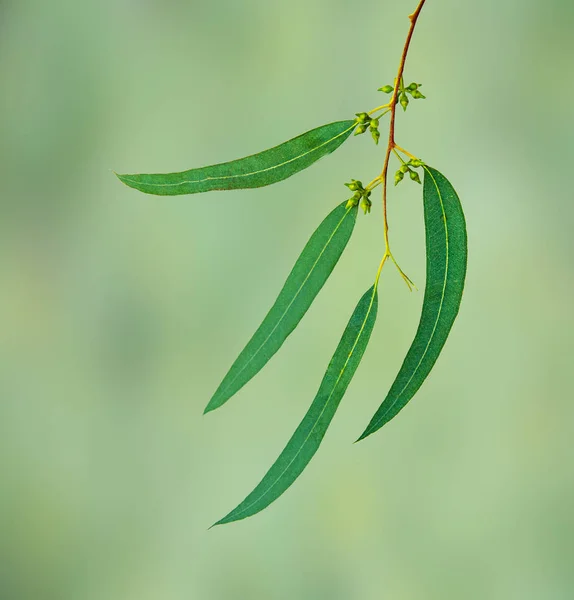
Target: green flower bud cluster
<point x="407" y="168"/>
<point x="361" y="196"/>
<point x="413" y="90"/>
<point x="366" y="122"/>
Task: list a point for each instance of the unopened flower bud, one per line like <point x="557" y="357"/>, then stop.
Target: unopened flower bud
<point x="415" y="176"/>
<point x="404" y="101"/>
<point x="366" y="205"/>
<point x="387" y="89"/>
<point x="399" y="177"/>
<point x="354" y="185"/>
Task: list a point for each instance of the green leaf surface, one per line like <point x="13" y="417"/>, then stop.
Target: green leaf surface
<point x="446" y="250"/>
<point x="257" y="170"/>
<point x="306" y="279"/>
<point x="308" y="436"/>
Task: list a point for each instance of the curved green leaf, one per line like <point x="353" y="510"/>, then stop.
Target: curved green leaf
<point x="446" y="249"/>
<point x="308" y="276"/>
<point x="257" y="170"/>
<point x="308" y="436"/>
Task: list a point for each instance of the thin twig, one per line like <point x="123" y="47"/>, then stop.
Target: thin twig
<point x="394" y="101"/>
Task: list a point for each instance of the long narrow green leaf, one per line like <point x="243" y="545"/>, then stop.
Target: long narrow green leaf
<point x="257" y="170"/>
<point x="308" y="436"/>
<point x="308" y="276"/>
<point x="446" y="249"/>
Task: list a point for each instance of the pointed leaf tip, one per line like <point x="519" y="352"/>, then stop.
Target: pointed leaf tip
<point x="446" y="250"/>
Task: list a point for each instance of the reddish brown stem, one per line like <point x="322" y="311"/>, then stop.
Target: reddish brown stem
<point x="394" y="101"/>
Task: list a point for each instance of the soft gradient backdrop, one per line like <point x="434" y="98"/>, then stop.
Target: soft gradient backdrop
<point x="121" y="312"/>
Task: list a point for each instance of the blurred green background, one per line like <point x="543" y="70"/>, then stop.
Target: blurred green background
<point x="122" y="312"/>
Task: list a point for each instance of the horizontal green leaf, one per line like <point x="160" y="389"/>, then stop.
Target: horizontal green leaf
<point x="308" y="436"/>
<point x="446" y="249"/>
<point x="257" y="170"/>
<point x="308" y="276"/>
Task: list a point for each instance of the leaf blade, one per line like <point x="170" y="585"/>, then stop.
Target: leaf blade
<point x="257" y="170"/>
<point x="306" y="440"/>
<point x="309" y="274"/>
<point x="446" y="247"/>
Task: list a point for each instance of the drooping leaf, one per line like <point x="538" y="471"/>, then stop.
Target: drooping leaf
<point x="257" y="170"/>
<point x="308" y="436"/>
<point x="446" y="250"/>
<point x="308" y="276"/>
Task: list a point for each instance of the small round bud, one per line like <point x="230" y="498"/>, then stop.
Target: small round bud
<point x="416" y="162"/>
<point x="399" y="177"/>
<point x="415" y="176"/>
<point x="412" y="87"/>
<point x="350" y="203"/>
<point x="363" y="117"/>
<point x="361" y="129"/>
<point x="374" y="124"/>
<point x="404" y="169"/>
<point x="404" y="101"/>
<point x="366" y="205"/>
<point x="387" y="89"/>
<point x="376" y="135"/>
<point x="357" y="196"/>
<point x="354" y="185"/>
<point x="416" y="95"/>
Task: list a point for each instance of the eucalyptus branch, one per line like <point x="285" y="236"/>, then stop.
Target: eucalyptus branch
<point x="446" y="250"/>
